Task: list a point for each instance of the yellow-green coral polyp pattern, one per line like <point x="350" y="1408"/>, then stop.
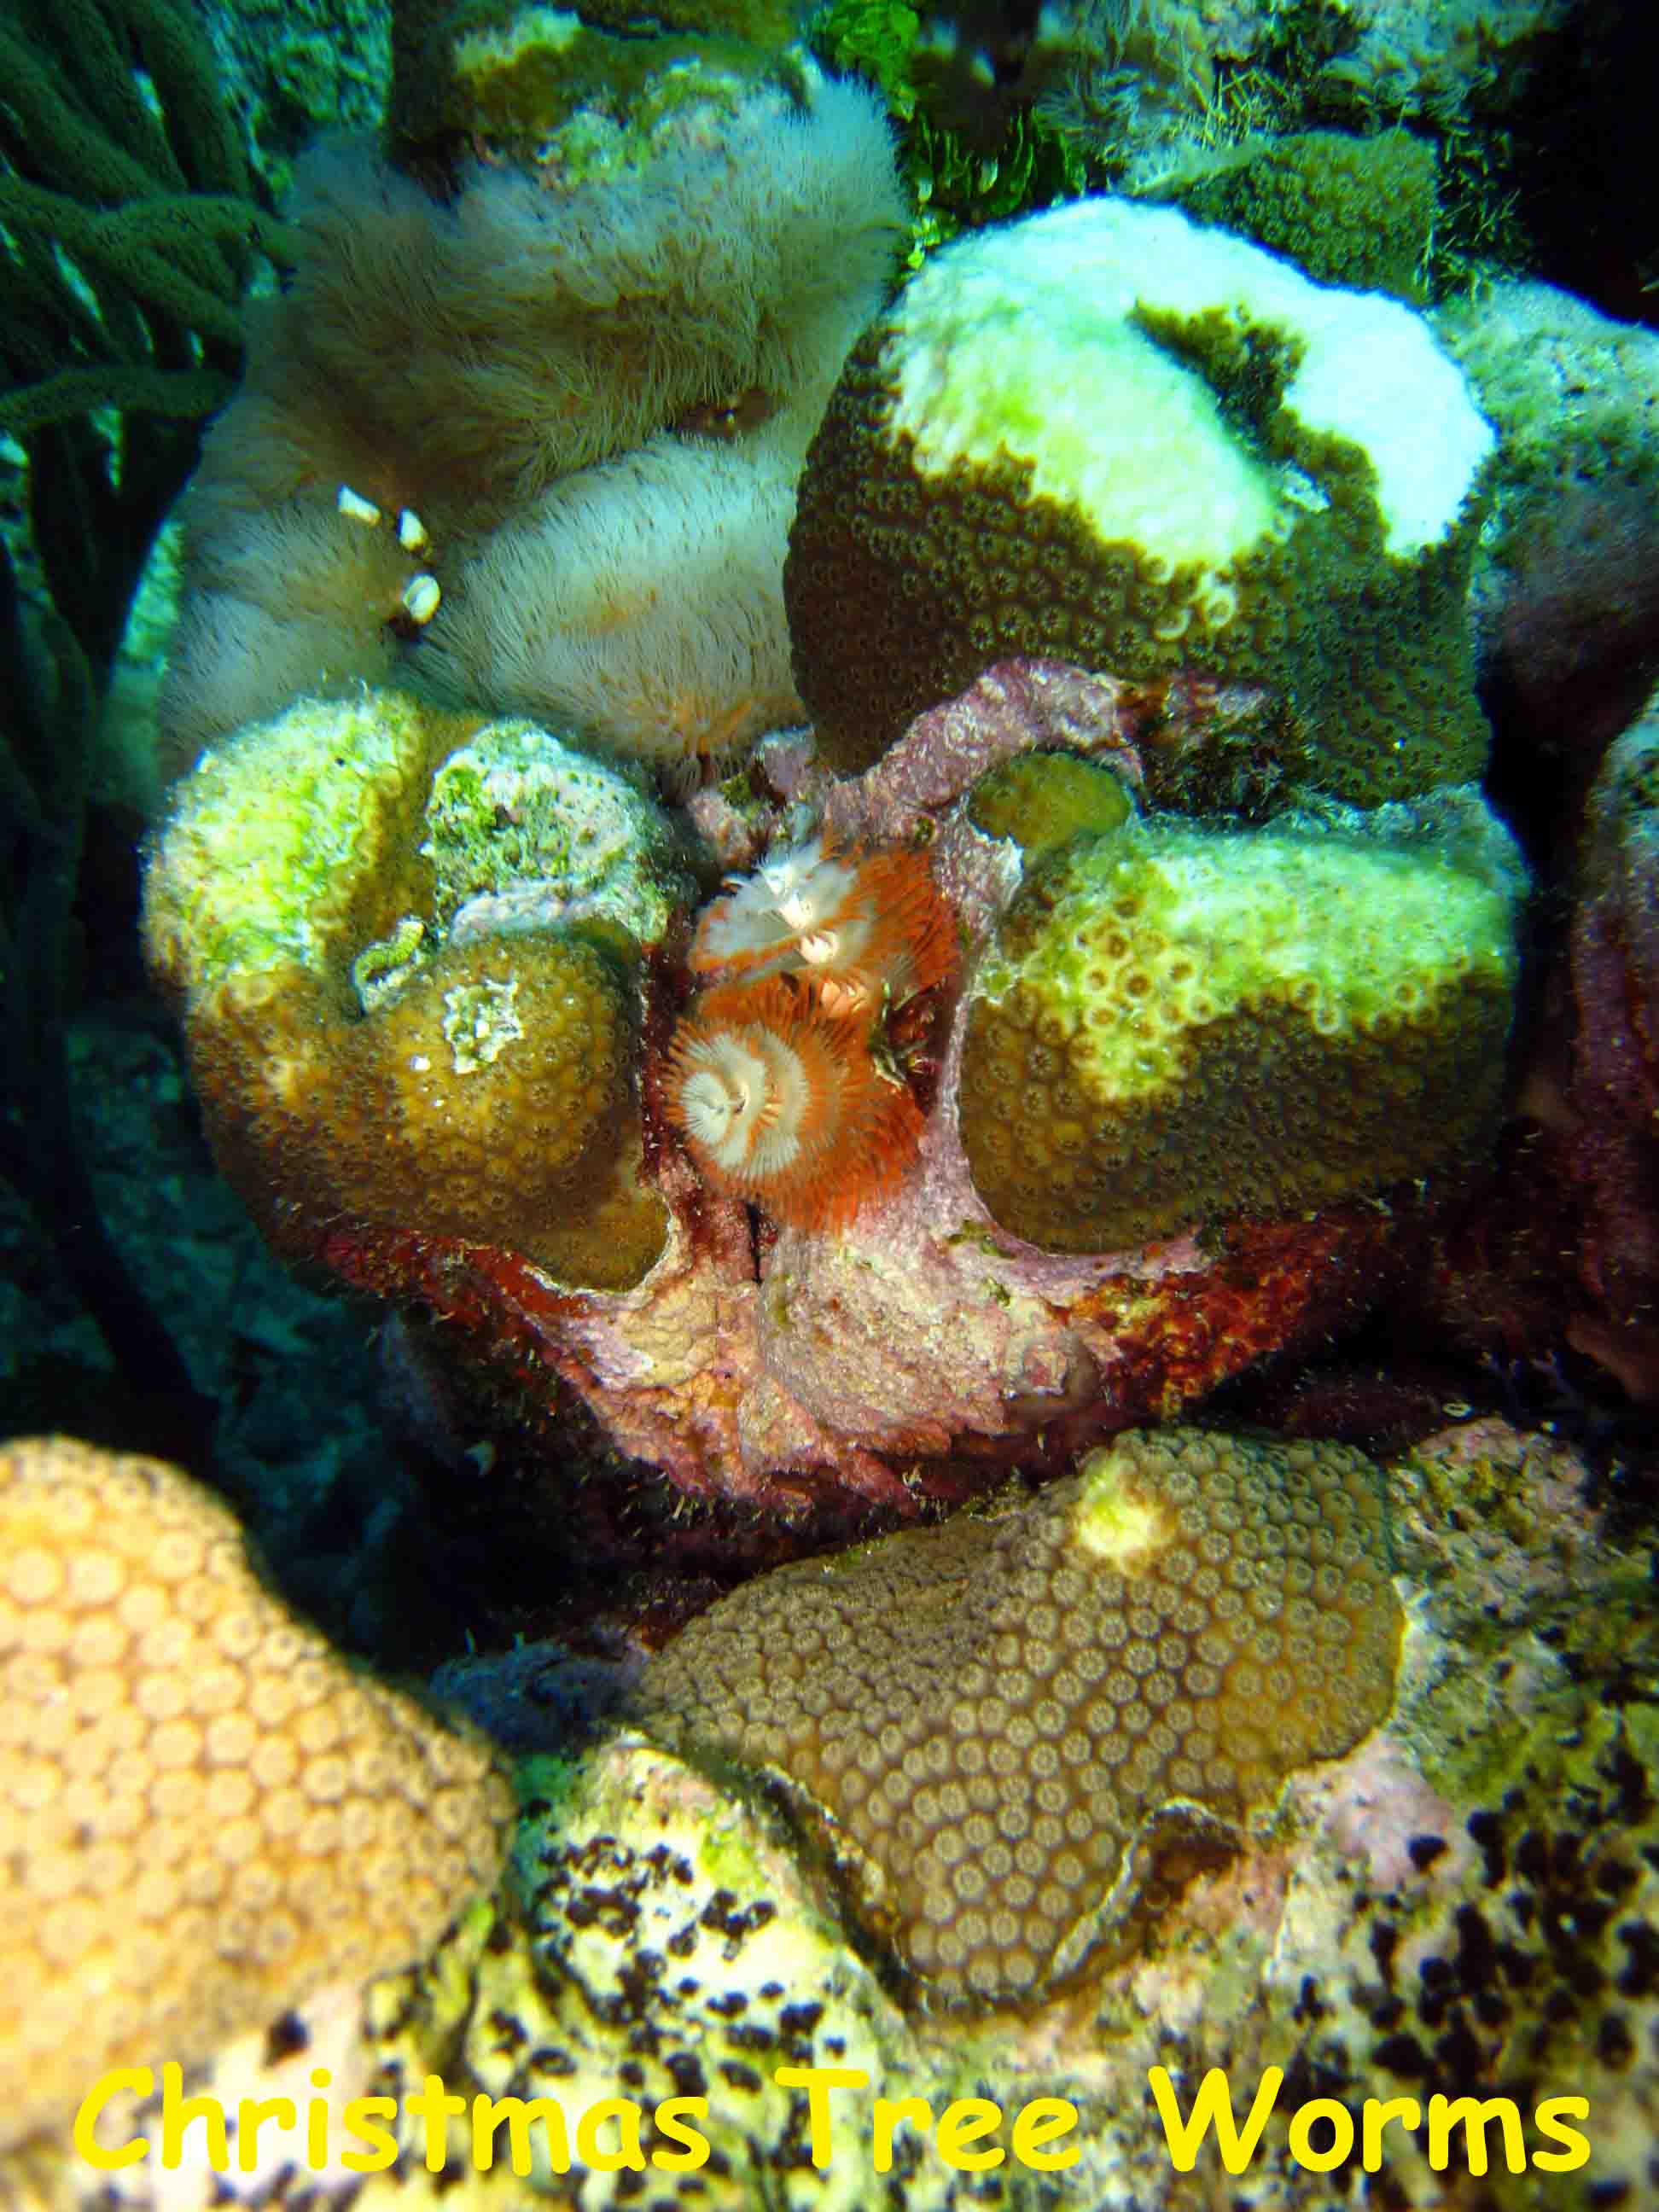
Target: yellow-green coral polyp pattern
<point x="276" y="834"/>
<point x="1176" y="1025"/>
<point x="354" y="1066"/>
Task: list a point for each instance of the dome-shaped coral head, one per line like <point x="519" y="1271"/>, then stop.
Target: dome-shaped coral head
<point x="866" y="933"/>
<point x="786" y="1107"/>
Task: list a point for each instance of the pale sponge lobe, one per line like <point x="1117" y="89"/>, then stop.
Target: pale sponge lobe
<point x="996" y="1726"/>
<point x="205" y="1814"/>
<point x="1176" y="1024"/>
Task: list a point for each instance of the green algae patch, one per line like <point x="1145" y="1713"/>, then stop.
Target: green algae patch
<point x="525" y="831"/>
<point x="1045" y="799"/>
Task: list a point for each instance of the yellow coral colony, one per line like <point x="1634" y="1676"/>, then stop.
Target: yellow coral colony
<point x="204" y="1813"/>
<point x="1178" y="1024"/>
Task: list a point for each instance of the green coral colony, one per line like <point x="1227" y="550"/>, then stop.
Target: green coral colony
<point x="1177" y="1021"/>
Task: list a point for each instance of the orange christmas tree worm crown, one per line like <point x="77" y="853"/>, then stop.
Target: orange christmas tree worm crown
<point x="783" y="1105"/>
<point x="864" y="928"/>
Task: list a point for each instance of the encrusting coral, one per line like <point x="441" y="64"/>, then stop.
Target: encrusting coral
<point x="537" y="448"/>
<point x="1008" y="1729"/>
<point x="204" y="1813"/>
<point x="1107" y="434"/>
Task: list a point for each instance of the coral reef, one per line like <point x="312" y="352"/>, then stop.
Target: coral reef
<point x="207" y="1815"/>
<point x="1359" y="212"/>
<point x="583" y="399"/>
<point x="1049" y="1707"/>
<point x="1564" y="604"/>
<point x="1230" y="469"/>
<point x="895" y="1229"/>
<point x="1459" y="1905"/>
<point x="1175" y="1023"/>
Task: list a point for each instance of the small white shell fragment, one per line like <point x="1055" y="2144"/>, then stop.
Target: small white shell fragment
<point x="354" y="504"/>
<point x="420" y="596"/>
<point x="411" y="532"/>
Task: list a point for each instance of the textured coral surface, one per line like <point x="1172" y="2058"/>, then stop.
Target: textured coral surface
<point x="750" y="1242"/>
<point x="204" y="1814"/>
<point x="381" y="1014"/>
<point x="1042" y="1702"/>
<point x="1463" y="1903"/>
<point x="1229" y="469"/>
<point x="1181" y="1023"/>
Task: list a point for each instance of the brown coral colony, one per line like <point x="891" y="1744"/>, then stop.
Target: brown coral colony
<point x="204" y="1813"/>
<point x="1009" y="1727"/>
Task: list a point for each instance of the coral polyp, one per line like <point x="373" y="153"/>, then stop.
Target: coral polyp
<point x="1011" y="1728"/>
